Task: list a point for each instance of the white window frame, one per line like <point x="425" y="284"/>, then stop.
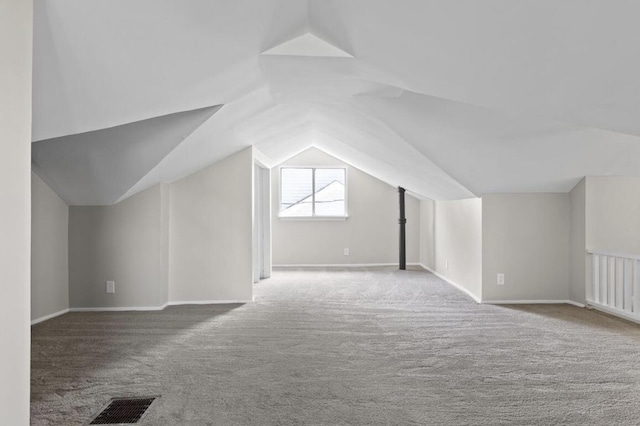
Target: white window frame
<point x="313" y="194"/>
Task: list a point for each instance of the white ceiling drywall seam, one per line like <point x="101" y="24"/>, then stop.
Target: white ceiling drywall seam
<point x="308" y="44"/>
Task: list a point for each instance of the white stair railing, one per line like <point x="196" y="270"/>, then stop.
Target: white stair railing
<point x="615" y="284"/>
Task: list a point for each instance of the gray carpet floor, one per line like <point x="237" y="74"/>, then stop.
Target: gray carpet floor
<point x="343" y="347"/>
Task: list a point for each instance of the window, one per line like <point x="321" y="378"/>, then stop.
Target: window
<point x="313" y="192"/>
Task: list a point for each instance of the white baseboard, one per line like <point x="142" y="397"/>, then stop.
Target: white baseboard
<point x="158" y="308"/>
<point x="119" y="309"/>
<point x="614" y="312"/>
<point x="339" y="265"/>
<point x="47" y="317"/>
<point x="209" y="302"/>
<point x="533" y="302"/>
<point x="454" y="284"/>
<point x="332" y="265"/>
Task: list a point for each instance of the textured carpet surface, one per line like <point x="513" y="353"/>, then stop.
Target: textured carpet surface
<point x="360" y="347"/>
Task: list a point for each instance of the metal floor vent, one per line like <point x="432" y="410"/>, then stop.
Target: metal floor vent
<point x="123" y="411"/>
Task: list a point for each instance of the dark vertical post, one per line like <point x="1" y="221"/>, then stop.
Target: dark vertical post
<point x="402" y="222"/>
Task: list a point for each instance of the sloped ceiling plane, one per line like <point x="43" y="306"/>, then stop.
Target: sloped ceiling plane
<point x="450" y="99"/>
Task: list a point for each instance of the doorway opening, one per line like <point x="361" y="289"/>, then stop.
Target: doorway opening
<point x="261" y="222"/>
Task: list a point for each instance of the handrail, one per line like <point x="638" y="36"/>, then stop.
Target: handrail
<point x="610" y="254"/>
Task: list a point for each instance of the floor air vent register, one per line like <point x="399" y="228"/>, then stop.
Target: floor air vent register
<point x="123" y="411"/>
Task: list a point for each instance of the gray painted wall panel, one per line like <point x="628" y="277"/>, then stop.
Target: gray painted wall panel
<point x="16" y="29"/>
<point x="526" y="237"/>
<point x="123" y="243"/>
<point x="578" y="259"/>
<point x="458" y="242"/>
<point x="211" y="232"/>
<point x="49" y="251"/>
<point x="427" y="234"/>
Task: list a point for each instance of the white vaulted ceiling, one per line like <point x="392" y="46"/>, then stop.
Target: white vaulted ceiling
<point x="450" y="99"/>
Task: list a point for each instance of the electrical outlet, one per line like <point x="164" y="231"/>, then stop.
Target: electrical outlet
<point x="500" y="279"/>
<point x="111" y="286"/>
<point x="446" y="264"/>
<point x="346" y="252"/>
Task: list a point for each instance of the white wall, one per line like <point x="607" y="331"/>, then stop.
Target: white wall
<point x="577" y="283"/>
<point x="427" y="234"/>
<point x="184" y="242"/>
<point x="211" y="232"/>
<point x="16" y="28"/>
<point x="458" y="243"/>
<point x="124" y="243"/>
<point x="165" y="240"/>
<point x="371" y="232"/>
<point x="613" y="214"/>
<point x="526" y="237"/>
<point x="49" y="251"/>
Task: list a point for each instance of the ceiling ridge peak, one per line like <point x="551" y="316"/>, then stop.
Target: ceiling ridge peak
<point x="308" y="44"/>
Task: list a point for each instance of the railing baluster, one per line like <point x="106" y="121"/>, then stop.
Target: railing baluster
<point x="619" y="290"/>
<point x="595" y="264"/>
<point x="614" y="285"/>
<point x="636" y="287"/>
<point x="611" y="297"/>
<point x="605" y="280"/>
<point x="628" y="285"/>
